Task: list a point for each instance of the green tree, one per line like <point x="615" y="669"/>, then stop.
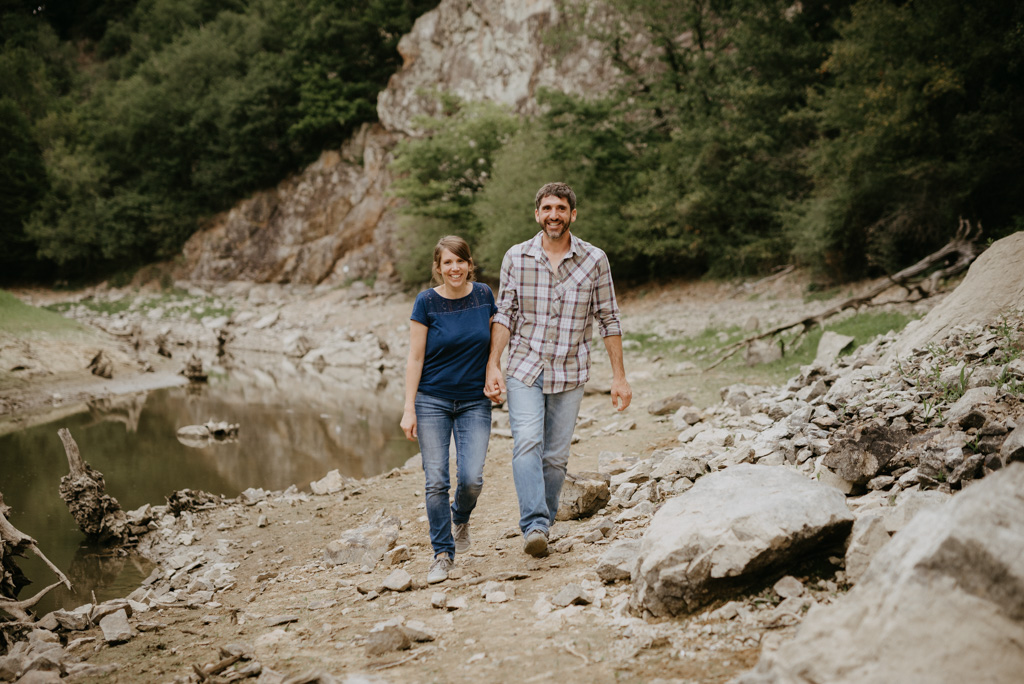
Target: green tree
<point x="24" y="183"/>
<point x="921" y="126"/>
<point x="439" y="176"/>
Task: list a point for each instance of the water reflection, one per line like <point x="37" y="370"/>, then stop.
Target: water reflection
<point x="295" y="426"/>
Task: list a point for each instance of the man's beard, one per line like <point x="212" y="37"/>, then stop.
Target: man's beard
<point x="554" y="232"/>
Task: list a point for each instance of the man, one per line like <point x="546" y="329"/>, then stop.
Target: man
<point x="553" y="287"/>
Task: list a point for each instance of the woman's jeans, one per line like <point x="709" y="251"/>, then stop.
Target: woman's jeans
<point x="436" y="421"/>
<point x="542" y="426"/>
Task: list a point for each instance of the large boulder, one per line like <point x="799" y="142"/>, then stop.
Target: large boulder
<point x="943" y="601"/>
<point x="734" y="529"/>
<point x="992" y="286"/>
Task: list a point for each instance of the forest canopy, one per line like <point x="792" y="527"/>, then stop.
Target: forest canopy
<point x="847" y="136"/>
<point x="124" y="123"/>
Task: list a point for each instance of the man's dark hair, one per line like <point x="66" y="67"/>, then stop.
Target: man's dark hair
<point x="560" y="190"/>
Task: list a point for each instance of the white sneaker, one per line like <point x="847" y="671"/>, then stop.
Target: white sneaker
<point x="536" y="543"/>
<point x="439" y="568"/>
<point x="461" y="534"/>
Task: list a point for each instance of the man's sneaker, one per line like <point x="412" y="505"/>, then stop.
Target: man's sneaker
<point x="461" y="534"/>
<point x="536" y="543"/>
<point x="439" y="568"/>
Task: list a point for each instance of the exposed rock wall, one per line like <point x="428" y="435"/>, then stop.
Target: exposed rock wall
<point x="334" y="221"/>
<point x="327" y="224"/>
<point x="488" y="50"/>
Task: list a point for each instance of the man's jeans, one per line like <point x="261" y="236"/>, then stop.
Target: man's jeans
<point x="436" y="421"/>
<point x="542" y="426"/>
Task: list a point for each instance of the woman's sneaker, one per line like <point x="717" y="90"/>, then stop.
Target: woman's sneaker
<point x="461" y="534"/>
<point x="439" y="568"/>
<point x="536" y="543"/>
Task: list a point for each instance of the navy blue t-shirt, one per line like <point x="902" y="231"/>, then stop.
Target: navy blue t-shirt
<point x="458" y="342"/>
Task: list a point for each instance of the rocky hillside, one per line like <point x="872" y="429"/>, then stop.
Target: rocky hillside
<point x="334" y="222"/>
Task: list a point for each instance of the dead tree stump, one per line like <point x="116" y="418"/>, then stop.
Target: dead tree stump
<point x="13" y="543"/>
<point x="193" y="369"/>
<point x="98" y="514"/>
<point x="101" y="366"/>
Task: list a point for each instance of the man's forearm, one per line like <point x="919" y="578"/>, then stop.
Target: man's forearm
<point x="613" y="343"/>
<point x="499" y="340"/>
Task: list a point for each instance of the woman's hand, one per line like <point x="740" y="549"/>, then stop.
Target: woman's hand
<point x="409" y="424"/>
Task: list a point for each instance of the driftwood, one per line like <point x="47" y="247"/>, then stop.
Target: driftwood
<point x="13" y="542"/>
<point x="98" y="514"/>
<point x="962" y="247"/>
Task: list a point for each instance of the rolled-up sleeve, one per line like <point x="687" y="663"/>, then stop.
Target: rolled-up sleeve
<point x="508" y="294"/>
<point x="605" y="308"/>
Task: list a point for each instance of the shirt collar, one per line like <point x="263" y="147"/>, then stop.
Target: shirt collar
<point x="536" y="249"/>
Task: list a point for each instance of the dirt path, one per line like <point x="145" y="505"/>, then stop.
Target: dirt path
<point x="299" y="615"/>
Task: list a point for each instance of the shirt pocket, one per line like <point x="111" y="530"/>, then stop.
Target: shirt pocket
<point x="576" y="295"/>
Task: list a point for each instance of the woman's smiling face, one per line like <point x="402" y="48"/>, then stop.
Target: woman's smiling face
<point x="454" y="270"/>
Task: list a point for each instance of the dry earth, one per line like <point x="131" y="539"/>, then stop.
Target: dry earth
<point x="324" y="620"/>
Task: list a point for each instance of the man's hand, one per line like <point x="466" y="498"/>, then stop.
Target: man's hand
<point x="494" y="385"/>
<point x="622" y="394"/>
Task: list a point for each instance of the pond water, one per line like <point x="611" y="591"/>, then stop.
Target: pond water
<point x="295" y="426"/>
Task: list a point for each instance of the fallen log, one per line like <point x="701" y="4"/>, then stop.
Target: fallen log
<point x="98" y="514"/>
<point x="963" y="247"/>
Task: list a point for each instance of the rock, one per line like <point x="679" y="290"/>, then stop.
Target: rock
<point x="985" y="293"/>
<point x="728" y="531"/>
<point x="364" y="545"/>
<point x="1013" y="447"/>
<point x="398" y="580"/>
<point x="679" y="463"/>
<point x="296" y="345"/>
<point x="668" y="404"/>
<point x="789" y="587"/>
<point x="418" y="631"/>
<point x="397" y="555"/>
<point x="953" y="577"/>
<point x="826" y="477"/>
<point x="41" y="677"/>
<point x="386" y="640"/>
<point x="581" y="497"/>
<point x="868" y="536"/>
<point x="116" y="628"/>
<point x="617" y="562"/>
<point x="862" y="455"/>
<point x="963" y="412"/>
<point x="829" y="347"/>
<point x="439" y="600"/>
<point x="572" y="595"/>
<point x="331" y="483"/>
<point x="908" y="505"/>
<point x="761" y="351"/>
<point x="71" y="621"/>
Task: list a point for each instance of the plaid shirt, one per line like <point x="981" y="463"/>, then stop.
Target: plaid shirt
<point x="550" y="314"/>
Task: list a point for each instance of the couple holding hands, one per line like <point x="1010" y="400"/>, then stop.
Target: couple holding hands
<point x="553" y="287"/>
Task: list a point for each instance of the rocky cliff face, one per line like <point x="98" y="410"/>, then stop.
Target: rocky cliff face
<point x="334" y="222"/>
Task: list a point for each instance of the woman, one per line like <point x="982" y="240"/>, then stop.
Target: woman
<point x="449" y="341"/>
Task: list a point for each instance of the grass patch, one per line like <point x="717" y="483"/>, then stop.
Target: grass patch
<point x="704" y="349"/>
<point x="174" y="303"/>
<point x="20" y="319"/>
